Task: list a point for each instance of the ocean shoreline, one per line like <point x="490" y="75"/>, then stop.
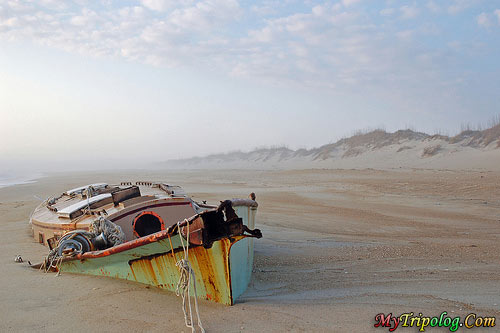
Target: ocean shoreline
<point x="19" y="180"/>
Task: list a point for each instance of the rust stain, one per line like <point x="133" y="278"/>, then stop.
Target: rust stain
<point x="133" y="273"/>
<point x="225" y="249"/>
<point x="166" y="265"/>
<point x="146" y="267"/>
<point x="204" y="267"/>
<point x="211" y="267"/>
<point x="160" y="270"/>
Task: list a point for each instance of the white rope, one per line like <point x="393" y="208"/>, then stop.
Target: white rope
<point x="183" y="286"/>
<point x="113" y="232"/>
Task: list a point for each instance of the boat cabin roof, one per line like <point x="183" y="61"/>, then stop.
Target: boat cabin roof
<point x="67" y="211"/>
<point x="78" y="203"/>
<point x="80" y="189"/>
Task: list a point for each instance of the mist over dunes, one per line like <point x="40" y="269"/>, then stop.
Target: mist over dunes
<point x="470" y="149"/>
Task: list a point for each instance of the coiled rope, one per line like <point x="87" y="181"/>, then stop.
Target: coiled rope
<point x="112" y="232"/>
<point x="184" y="285"/>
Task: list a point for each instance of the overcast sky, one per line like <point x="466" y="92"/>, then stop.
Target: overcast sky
<point x="106" y="83"/>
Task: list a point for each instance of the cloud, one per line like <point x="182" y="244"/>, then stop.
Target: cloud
<point x="86" y="17"/>
<point x="460" y="5"/>
<point x="158" y="5"/>
<point x="348" y="3"/>
<point x="387" y="12"/>
<point x="483" y="20"/>
<point x="11" y="22"/>
<point x="332" y="45"/>
<point x="433" y="7"/>
<point x="264" y="35"/>
<point x="330" y="48"/>
<point x="405" y="34"/>
<point x="409" y="12"/>
<point x="203" y="15"/>
<point x="497" y="14"/>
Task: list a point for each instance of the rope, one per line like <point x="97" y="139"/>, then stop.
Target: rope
<point x="113" y="232"/>
<point x="53" y="261"/>
<point x="171" y="247"/>
<point x="183" y="286"/>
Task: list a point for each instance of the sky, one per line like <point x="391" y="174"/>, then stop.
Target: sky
<point x="107" y="84"/>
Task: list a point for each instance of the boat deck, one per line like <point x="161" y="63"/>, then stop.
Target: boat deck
<point x="77" y="208"/>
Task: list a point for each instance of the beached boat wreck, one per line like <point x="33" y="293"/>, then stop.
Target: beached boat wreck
<point x="140" y="231"/>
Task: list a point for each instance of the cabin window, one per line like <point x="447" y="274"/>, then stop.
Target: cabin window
<point x="147" y="223"/>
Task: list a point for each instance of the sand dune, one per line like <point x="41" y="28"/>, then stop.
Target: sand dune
<point x="376" y="149"/>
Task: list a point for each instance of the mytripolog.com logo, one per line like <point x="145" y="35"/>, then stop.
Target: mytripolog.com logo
<point x="421" y="322"/>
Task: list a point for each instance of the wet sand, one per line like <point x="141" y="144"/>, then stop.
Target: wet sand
<point x="339" y="247"/>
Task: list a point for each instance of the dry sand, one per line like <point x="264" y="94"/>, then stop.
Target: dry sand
<point x="339" y="247"/>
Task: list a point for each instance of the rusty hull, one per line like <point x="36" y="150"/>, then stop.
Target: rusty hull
<point x="150" y="260"/>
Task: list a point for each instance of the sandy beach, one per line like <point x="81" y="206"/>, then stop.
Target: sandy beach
<point x="339" y="247"/>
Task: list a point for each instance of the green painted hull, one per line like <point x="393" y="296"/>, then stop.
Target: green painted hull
<point x="154" y="264"/>
<point x="222" y="272"/>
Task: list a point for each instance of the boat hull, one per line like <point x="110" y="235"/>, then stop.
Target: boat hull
<point x="155" y="264"/>
<point x="222" y="272"/>
<point x="241" y="255"/>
